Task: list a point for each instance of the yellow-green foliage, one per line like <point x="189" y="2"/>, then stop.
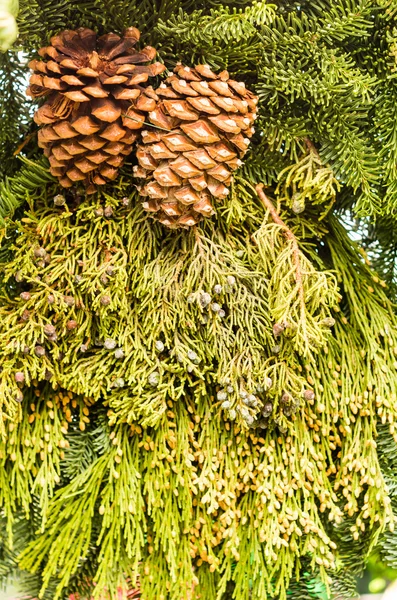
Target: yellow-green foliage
<point x="181" y="496"/>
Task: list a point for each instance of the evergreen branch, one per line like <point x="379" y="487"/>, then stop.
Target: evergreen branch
<point x="344" y="585"/>
<point x="353" y="161"/>
<point x="385" y="140"/>
<point x="15" y="110"/>
<point x="308" y="180"/>
<point x="239" y="455"/>
<point x="293" y="311"/>
<point x="222" y="23"/>
<point x="14" y="191"/>
<point x="339" y="21"/>
<point x="294" y="243"/>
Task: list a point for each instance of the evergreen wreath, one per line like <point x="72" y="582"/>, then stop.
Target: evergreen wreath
<point x="206" y="412"/>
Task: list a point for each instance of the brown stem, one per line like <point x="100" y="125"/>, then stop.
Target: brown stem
<point x="198" y="240"/>
<point x="268" y="204"/>
<point x="24" y="142"/>
<point x="144" y="122"/>
<point x="311" y="146"/>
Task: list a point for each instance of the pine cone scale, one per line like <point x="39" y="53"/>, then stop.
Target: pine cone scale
<point x="201" y="132"/>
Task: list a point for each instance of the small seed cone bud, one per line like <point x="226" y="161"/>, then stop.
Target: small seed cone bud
<point x="19" y="396"/>
<point x="69" y="300"/>
<point x="267" y="409"/>
<point x="19" y="377"/>
<point x="278" y="329"/>
<point x="49" y="329"/>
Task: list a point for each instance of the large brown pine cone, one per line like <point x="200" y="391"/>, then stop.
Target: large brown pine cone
<point x="208" y="120"/>
<point x="95" y="102"/>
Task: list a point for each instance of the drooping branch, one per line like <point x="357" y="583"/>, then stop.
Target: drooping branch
<point x="291" y="237"/>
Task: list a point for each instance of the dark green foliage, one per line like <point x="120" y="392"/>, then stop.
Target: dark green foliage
<point x="15" y="191"/>
<point x="313" y="77"/>
<point x="85" y="446"/>
<point x="15" y="110"/>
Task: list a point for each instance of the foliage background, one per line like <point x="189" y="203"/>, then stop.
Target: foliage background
<point x="326" y="150"/>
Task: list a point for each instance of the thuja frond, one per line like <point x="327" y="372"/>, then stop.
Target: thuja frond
<point x="297" y="293"/>
<point x="169" y="293"/>
<point x="167" y="385"/>
<point x="120" y="520"/>
<point x="31" y="456"/>
<point x="308" y="180"/>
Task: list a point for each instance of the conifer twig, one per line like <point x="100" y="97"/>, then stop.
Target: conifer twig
<point x="290" y="236"/>
<point x="310" y="146"/>
<point x="198" y="240"/>
<point x="25" y="141"/>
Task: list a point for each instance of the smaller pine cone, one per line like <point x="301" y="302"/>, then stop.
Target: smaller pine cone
<point x="95" y="102"/>
<point x="208" y="120"/>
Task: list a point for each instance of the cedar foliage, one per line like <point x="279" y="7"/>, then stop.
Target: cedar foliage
<point x="145" y="470"/>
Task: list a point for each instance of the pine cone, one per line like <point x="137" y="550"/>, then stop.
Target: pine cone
<point x="208" y="118"/>
<point x="91" y="83"/>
